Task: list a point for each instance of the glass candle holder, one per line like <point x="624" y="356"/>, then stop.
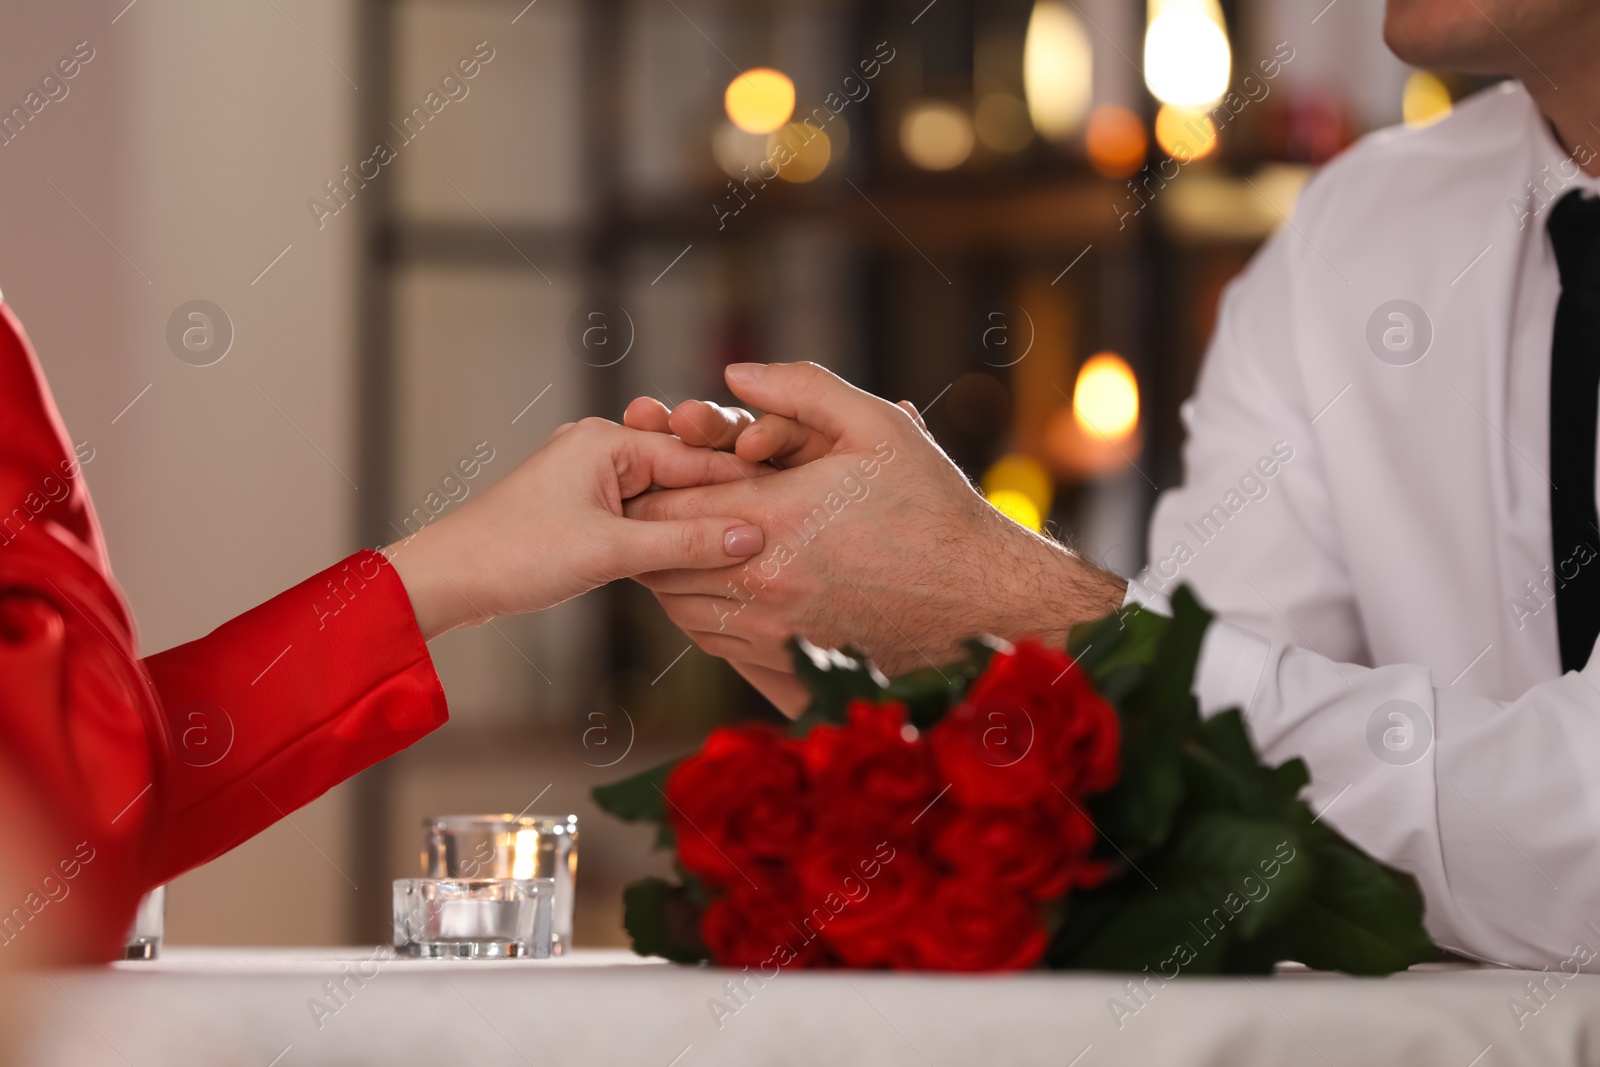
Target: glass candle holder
<point x="149" y="926"/>
<point x="509" y="846"/>
<point x="486" y="918"/>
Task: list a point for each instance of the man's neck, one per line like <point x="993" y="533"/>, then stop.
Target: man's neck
<point x="1569" y="96"/>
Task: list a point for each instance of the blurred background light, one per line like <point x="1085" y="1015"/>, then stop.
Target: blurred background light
<point x="760" y="100"/>
<point x="936" y="135"/>
<point x="810" y="151"/>
<point x="1019" y="474"/>
<point x="1002" y="123"/>
<point x="1187" y="60"/>
<point x="1017" y="508"/>
<point x="1425" y="99"/>
<point x="1185" y="133"/>
<point x="737" y="153"/>
<point x="1057" y="69"/>
<point x="1105" y="400"/>
<point x="1116" y="141"/>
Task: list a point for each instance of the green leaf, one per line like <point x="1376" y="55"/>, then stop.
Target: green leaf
<point x="1131" y="928"/>
<point x="1137" y="812"/>
<point x="1360" y="916"/>
<point x="1168" y="694"/>
<point x="1289" y="778"/>
<point x="663" y="920"/>
<point x="834" y="678"/>
<point x="641" y="798"/>
<point x="1235" y="867"/>
<point x="1224" y="772"/>
<point x="1127" y="637"/>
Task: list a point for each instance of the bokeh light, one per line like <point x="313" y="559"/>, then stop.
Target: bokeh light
<point x="936" y="135"/>
<point x="1425" y="100"/>
<point x="760" y="100"/>
<point x="1187" y="60"/>
<point x="1002" y="123"/>
<point x="807" y="155"/>
<point x="1185" y="133"/>
<point x="1021" y="474"/>
<point x="1116" y="141"/>
<point x="1105" y="400"/>
<point x="738" y="154"/>
<point x="1057" y="69"/>
<point x="1016" y="507"/>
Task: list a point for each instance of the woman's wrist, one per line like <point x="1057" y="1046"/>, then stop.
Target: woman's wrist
<point x="423" y="563"/>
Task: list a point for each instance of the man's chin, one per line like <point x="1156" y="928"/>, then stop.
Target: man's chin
<point x="1444" y="35"/>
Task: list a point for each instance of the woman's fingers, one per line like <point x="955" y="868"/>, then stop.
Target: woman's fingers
<point x="692" y="544"/>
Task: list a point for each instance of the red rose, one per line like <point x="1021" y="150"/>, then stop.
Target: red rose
<point x="759" y="928"/>
<point x="739" y="804"/>
<point x="858" y="895"/>
<point x="867" y="774"/>
<point x="1032" y="724"/>
<point x="1087" y="749"/>
<point x="969" y="924"/>
<point x="1039" y="851"/>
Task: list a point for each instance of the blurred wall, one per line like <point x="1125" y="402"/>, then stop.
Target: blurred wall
<point x="187" y="147"/>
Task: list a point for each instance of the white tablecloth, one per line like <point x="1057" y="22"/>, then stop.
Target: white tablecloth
<point x="259" y="1008"/>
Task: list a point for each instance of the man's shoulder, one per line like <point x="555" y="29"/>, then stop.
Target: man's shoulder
<point x="1401" y="169"/>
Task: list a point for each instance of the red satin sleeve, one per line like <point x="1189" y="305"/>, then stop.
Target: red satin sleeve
<point x="152" y="767"/>
<point x="273" y="708"/>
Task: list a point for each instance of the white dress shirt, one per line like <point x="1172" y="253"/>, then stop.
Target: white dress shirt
<point x="1373" y="527"/>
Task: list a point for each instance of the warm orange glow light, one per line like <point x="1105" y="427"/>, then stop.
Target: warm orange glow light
<point x="1426" y="99"/>
<point x="760" y="100"/>
<point x="1116" y="141"/>
<point x="1016" y="507"/>
<point x="799" y="151"/>
<point x="936" y="135"/>
<point x="1185" y="133"/>
<point x="1105" y="401"/>
<point x="1020" y="474"/>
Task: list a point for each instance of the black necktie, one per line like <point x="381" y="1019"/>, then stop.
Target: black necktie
<point x="1574" y="227"/>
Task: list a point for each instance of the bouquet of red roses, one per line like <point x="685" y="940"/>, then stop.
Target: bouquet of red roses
<point x="1022" y="807"/>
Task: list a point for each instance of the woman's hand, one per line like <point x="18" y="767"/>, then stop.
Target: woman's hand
<point x="554" y="528"/>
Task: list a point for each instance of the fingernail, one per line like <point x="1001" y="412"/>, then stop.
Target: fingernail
<point x="746" y="372"/>
<point x="743" y="540"/>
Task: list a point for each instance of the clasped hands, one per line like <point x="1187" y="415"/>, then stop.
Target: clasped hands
<point x="834" y="516"/>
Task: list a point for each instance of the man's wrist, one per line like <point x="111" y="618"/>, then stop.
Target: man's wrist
<point x="1051" y="590"/>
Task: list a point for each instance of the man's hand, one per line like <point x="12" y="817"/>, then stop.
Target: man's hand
<point x="555" y="528"/>
<point x="873" y="537"/>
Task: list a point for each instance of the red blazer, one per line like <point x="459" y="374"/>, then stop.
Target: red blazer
<point x="154" y="766"/>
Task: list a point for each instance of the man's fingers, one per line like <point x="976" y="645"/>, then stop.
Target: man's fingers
<point x="783" y="441"/>
<point x="648" y="414"/>
<point x="809" y="394"/>
<point x="698" y="501"/>
<point x="911" y="409"/>
<point x="700" y="422"/>
<point x="696" y="543"/>
<point x="786" y="692"/>
<point x="646" y="459"/>
<point x="700" y="585"/>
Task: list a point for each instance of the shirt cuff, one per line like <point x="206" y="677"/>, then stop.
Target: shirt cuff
<point x="1228" y="672"/>
<point x="1230" y="667"/>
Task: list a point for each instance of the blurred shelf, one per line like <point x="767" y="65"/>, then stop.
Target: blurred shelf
<point x="1035" y="217"/>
